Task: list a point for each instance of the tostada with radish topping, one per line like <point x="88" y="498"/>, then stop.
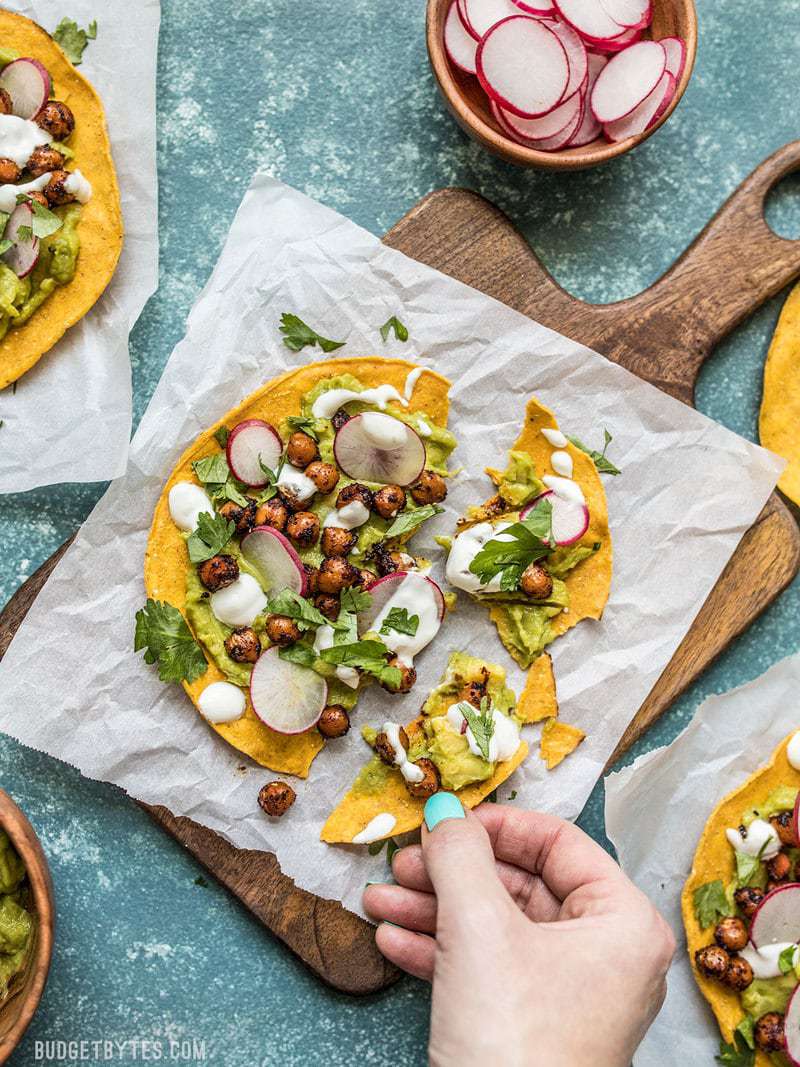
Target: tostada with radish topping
<point x="60" y="219"/>
<point x="741" y="912"/>
<point x="278" y="571"/>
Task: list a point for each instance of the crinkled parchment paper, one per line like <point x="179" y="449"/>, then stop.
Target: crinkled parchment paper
<point x="70" y="683"/>
<point x="69" y="418"/>
<point x="656" y="810"/>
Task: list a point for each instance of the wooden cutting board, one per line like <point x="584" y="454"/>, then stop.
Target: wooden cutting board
<point x="663" y="335"/>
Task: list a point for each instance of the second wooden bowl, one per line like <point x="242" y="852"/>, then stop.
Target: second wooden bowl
<point x="467" y="101"/>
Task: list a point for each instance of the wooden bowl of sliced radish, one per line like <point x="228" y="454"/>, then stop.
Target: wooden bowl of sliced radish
<point x="561" y="84"/>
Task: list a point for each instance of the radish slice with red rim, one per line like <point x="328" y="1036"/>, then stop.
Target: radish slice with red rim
<point x="275" y="561"/>
<point x="561" y="139"/>
<point x="675" y="48"/>
<point x="285" y="696"/>
<point x="28" y="84"/>
<point x="643" y="116"/>
<point x="460" y="45"/>
<point x="23" y="255"/>
<point x="560" y="118"/>
<point x="523" y="66"/>
<point x="777" y="918"/>
<point x="530" y="7"/>
<point x="633" y="14"/>
<point x="617" y="45"/>
<point x="481" y="15"/>
<point x="384" y="589"/>
<point x="589" y="19"/>
<point x="669" y="93"/>
<point x="570" y="519"/>
<point x="791" y="1028"/>
<point x="373" y="447"/>
<point x="250" y="444"/>
<point x="589" y="129"/>
<point x="627" y="80"/>
<point x="576" y="56"/>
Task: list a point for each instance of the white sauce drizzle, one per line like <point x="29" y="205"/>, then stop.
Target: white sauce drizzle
<point x="9" y="193"/>
<point x="381" y="826"/>
<point x="221" y="702"/>
<point x="410" y="771"/>
<point x="561" y="462"/>
<point x="327" y="404"/>
<point x="423" y="429"/>
<point x="19" y="137"/>
<point x="762" y="840"/>
<point x="764" y="960"/>
<point x="187" y="502"/>
<point x="417" y="596"/>
<point x="463" y="551"/>
<point x="411" y="380"/>
<point x="384" y="431"/>
<point x="79" y="187"/>
<point x="793" y="751"/>
<point x="239" y="603"/>
<point x="503" y="743"/>
<point x="295" y="484"/>
<point x="324" y="639"/>
<point x="349" y="517"/>
<point x="555" y="437"/>
<point x="565" y="488"/>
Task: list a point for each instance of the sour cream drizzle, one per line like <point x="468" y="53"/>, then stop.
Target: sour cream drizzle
<point x="79" y="187"/>
<point x="381" y="826"/>
<point x="555" y="437"/>
<point x="187" y="502"/>
<point x="9" y="193"/>
<point x="411" y="380"/>
<point x="565" y="488"/>
<point x="423" y="429"/>
<point x="324" y="639"/>
<point x="410" y="771"/>
<point x="297" y="486"/>
<point x="349" y="517"/>
<point x="561" y="462"/>
<point x="463" y="551"/>
<point x="19" y="137"/>
<point x="764" y="960"/>
<point x="327" y="404"/>
<point x="417" y="596"/>
<point x="762" y="840"/>
<point x="385" y="432"/>
<point x="239" y="603"/>
<point x="503" y="743"/>
<point x="793" y="751"/>
<point x="221" y="702"/>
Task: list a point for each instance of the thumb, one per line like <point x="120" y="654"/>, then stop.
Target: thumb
<point x="458" y="856"/>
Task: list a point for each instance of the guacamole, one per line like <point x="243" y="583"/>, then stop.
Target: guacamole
<point x="16" y="921"/>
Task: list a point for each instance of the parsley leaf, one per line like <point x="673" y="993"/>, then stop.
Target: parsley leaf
<point x="221" y="436"/>
<point x="400" y="331"/>
<point x="298" y="608"/>
<point x="410" y="520"/>
<point x="164" y="634"/>
<point x="786" y="959"/>
<point x="603" y="464"/>
<point x="296" y="335"/>
<point x="401" y="622"/>
<point x="73" y="39"/>
<point x="738" y="1055"/>
<point x="303" y="655"/>
<point x="304" y="423"/>
<point x="522" y="543"/>
<point x="368" y="656"/>
<point x="355" y="600"/>
<point x="212" y="534"/>
<point x="711" y="904"/>
<point x="482" y="726"/>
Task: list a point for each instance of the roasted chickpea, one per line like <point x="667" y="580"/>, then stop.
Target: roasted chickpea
<point x="40" y="198"/>
<point x="739" y="974"/>
<point x="353" y="492"/>
<point x="9" y="171"/>
<point x="6" y="103"/>
<point x="783" y="825"/>
<point x="312" y="577"/>
<point x="339" y="419"/>
<point x="473" y="693"/>
<point x="536" y="582"/>
<point x="243" y="645"/>
<point x="56" y="191"/>
<point x="275" y="798"/>
<point x="387" y="502"/>
<point x="336" y="574"/>
<point x="334" y="721"/>
<point x="712" y="961"/>
<point x="301" y="449"/>
<point x="303" y="528"/>
<point x="747" y="900"/>
<point x="407" y="677"/>
<point x="56" y="119"/>
<point x="324" y="475"/>
<point x="217" y="572"/>
<point x="386" y="750"/>
<point x="282" y="631"/>
<point x="44" y="158"/>
<point x="244" y="519"/>
<point x="731" y="934"/>
<point x="429" y="785"/>
<point x="768" y="1032"/>
<point x="338" y="542"/>
<point x="328" y="605"/>
<point x="365" y="578"/>
<point x="430" y="488"/>
<point x="272" y="513"/>
<point x="779" y="868"/>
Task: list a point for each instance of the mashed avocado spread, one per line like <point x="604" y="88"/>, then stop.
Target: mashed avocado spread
<point x="16" y="921"/>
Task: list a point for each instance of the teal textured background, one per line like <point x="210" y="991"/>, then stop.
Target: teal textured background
<point x="338" y="100"/>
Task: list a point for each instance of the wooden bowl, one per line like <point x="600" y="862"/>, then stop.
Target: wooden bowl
<point x="468" y="102"/>
<point x="17" y="1011"/>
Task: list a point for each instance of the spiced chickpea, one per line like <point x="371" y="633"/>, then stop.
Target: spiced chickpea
<point x="747" y="899"/>
<point x="768" y="1032"/>
<point x="337" y="541"/>
<point x="6" y="103"/>
<point x="334" y="721"/>
<point x="430" y="488"/>
<point x="731" y="934"/>
<point x="303" y="528"/>
<point x="328" y="605"/>
<point x="430" y="784"/>
<point x="275" y="798"/>
<point x="712" y="961"/>
<point x="386" y="750"/>
<point x="243" y="518"/>
<point x="272" y="513"/>
<point x="43" y="159"/>
<point x="339" y="419"/>
<point x="365" y="578"/>
<point x="407" y="677"/>
<point x="783" y="825"/>
<point x="243" y="645"/>
<point x="739" y="974"/>
<point x="301" y="449"/>
<point x="388" y="501"/>
<point x="56" y="189"/>
<point x="472" y="693"/>
<point x="56" y="119"/>
<point x="536" y="582"/>
<point x="9" y="171"/>
<point x="336" y="574"/>
<point x="218" y="572"/>
<point x="353" y="492"/>
<point x="282" y="631"/>
<point x="779" y="868"/>
<point x="324" y="476"/>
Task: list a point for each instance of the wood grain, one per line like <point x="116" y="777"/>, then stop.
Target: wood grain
<point x="663" y="335"/>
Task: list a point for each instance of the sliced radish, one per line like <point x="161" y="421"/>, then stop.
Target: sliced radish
<point x="548" y="125"/>
<point x="462" y="11"/>
<point x="561" y="139"/>
<point x="460" y="45"/>
<point x="481" y="15"/>
<point x="645" y="114"/>
<point x="250" y="444"/>
<point x="28" y="84"/>
<point x="669" y="93"/>
<point x="272" y="556"/>
<point x="285" y="696"/>
<point x="589" y="19"/>
<point x="589" y="129"/>
<point x="523" y="66"/>
<point x="675" y="47"/>
<point x="384" y="589"/>
<point x="531" y="7"/>
<point x="777" y="918"/>
<point x="576" y="56"/>
<point x="617" y="44"/>
<point x="791" y="1028"/>
<point x="633" y="14"/>
<point x="23" y="255"/>
<point x="372" y="447"/>
<point x="627" y="80"/>
<point x="570" y="519"/>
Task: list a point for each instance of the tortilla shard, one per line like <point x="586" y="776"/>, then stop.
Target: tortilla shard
<point x="779" y="420"/>
<point x="559" y="739"/>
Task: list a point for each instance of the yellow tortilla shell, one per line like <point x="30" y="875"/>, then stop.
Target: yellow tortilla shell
<point x="559" y="739"/>
<point x="538" y="700"/>
<point x="714" y="859"/>
<point x="779" y="421"/>
<point x="166" y="558"/>
<point x="100" y="227"/>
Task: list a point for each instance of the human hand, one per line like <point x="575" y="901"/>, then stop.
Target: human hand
<point x="541" y="952"/>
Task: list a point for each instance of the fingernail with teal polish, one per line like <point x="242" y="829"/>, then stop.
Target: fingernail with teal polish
<point x="442" y="806"/>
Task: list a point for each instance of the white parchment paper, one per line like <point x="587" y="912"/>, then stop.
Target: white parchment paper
<point x="656" y="810"/>
<point x="69" y="418"/>
<point x="70" y="683"/>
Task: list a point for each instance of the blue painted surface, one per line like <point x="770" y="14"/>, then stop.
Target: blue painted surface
<point x="339" y="101"/>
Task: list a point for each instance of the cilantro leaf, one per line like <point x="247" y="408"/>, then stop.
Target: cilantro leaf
<point x="410" y="520"/>
<point x="212" y="534"/>
<point x="749" y="870"/>
<point x="603" y="464"/>
<point x="24" y="233"/>
<point x="355" y="600"/>
<point x="522" y="543"/>
<point x="297" y="335"/>
<point x="164" y="634"/>
<point x="738" y="1055"/>
<point x="745" y="1028"/>
<point x="44" y="221"/>
<point x="73" y="40"/>
<point x="303" y="655"/>
<point x="213" y="468"/>
<point x="400" y="331"/>
<point x="5" y="245"/>
<point x="304" y="423"/>
<point x="298" y="608"/>
<point x="221" y="436"/>
<point x="786" y="959"/>
<point x="711" y="903"/>
<point x="481" y="725"/>
<point x="368" y="656"/>
<point x="401" y="622"/>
